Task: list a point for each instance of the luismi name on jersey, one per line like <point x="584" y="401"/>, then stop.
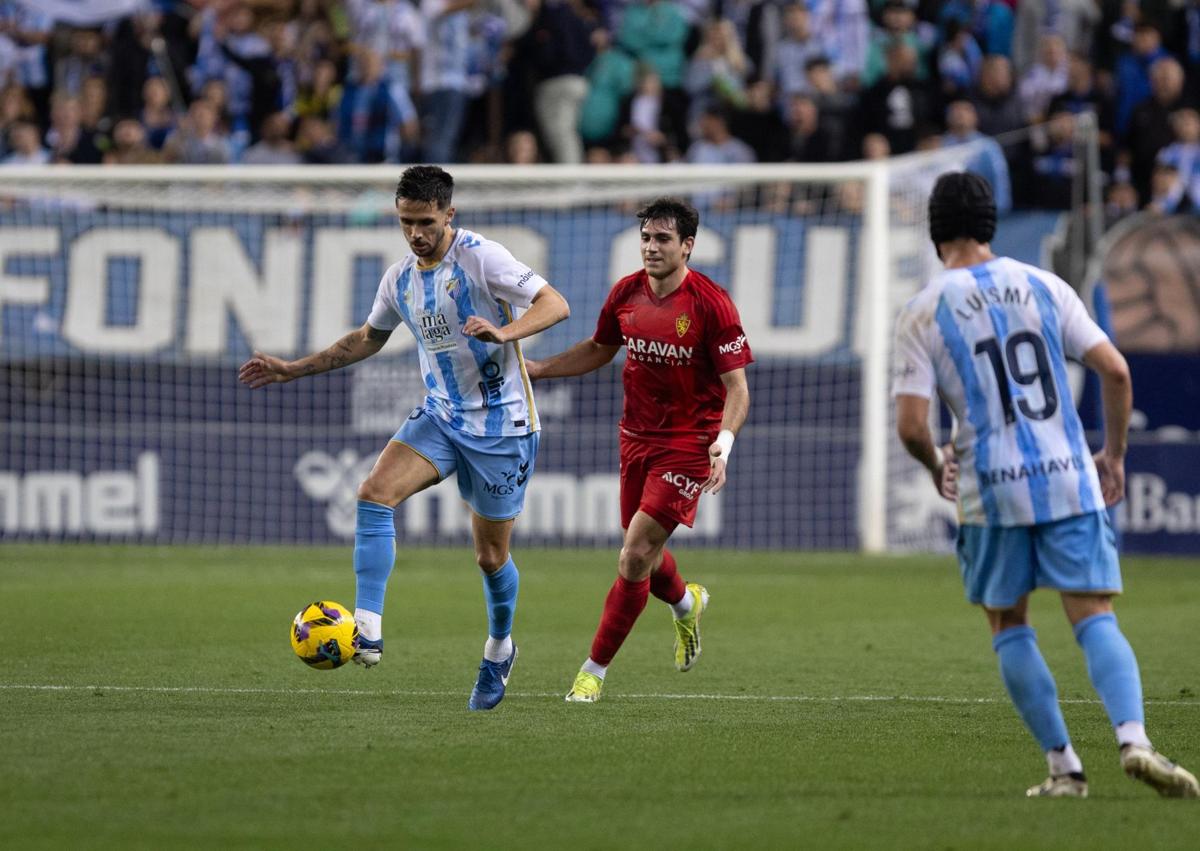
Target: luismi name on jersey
<point x="656" y="351"/>
<point x="436" y="333"/>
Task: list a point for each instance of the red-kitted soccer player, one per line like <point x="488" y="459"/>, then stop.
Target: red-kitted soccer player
<point x="685" y="399"/>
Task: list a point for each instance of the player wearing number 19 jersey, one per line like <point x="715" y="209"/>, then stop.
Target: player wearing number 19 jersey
<point x="991" y="337"/>
<point x="685" y="398"/>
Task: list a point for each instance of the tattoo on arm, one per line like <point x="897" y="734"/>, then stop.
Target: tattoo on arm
<point x="378" y="335"/>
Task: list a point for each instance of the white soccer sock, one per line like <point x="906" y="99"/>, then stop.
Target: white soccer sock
<point x="370" y="624"/>
<point x="592" y="668"/>
<point x="684" y="605"/>
<point x="1132" y="733"/>
<point x="1063" y="761"/>
<point x="498" y="649"/>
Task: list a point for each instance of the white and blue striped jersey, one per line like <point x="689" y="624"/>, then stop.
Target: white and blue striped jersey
<point x="992" y="341"/>
<point x="478" y="388"/>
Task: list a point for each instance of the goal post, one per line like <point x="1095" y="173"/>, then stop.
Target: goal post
<point x="128" y="296"/>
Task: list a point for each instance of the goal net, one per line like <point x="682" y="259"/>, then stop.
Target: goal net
<point x="128" y="298"/>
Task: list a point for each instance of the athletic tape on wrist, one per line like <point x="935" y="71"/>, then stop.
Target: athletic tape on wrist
<point x="725" y="442"/>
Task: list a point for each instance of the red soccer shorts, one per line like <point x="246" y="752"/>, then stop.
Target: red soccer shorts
<point x="664" y="482"/>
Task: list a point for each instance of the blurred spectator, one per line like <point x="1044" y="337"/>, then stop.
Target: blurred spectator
<point x="394" y="30"/>
<point x="808" y="140"/>
<point x="991" y="22"/>
<point x="25" y="145"/>
<point x="559" y="44"/>
<point x="611" y="79"/>
<point x="655" y="32"/>
<point x="1081" y="93"/>
<point x="717" y="72"/>
<point x="716" y="145"/>
<point x="521" y="148"/>
<point x="317" y="144"/>
<point x="85" y="57"/>
<point x="15" y="107"/>
<point x="230" y="49"/>
<point x="598" y="155"/>
<point x="837" y="107"/>
<point x="198" y="139"/>
<point x="647" y="125"/>
<point x="67" y="139"/>
<point x="132" y="59"/>
<point x="844" y="28"/>
<point x="158" y="117"/>
<point x="29" y="32"/>
<point x="1074" y="20"/>
<point x="875" y="147"/>
<point x="129" y="145"/>
<point x="1046" y="78"/>
<point x="759" y="124"/>
<point x="273" y="146"/>
<point x="1133" y="72"/>
<point x="959" y="60"/>
<point x="759" y="30"/>
<point x="1120" y="200"/>
<point x="1185" y="43"/>
<point x="796" y="49"/>
<point x="962" y="128"/>
<point x="899" y="25"/>
<point x="444" y="93"/>
<point x="321" y="96"/>
<point x="370" y="122"/>
<point x="1166" y="191"/>
<point x="1183" y="155"/>
<point x="996" y="104"/>
<point x="1054" y="164"/>
<point x="899" y="104"/>
<point x="1150" y="122"/>
<point x="94" y="109"/>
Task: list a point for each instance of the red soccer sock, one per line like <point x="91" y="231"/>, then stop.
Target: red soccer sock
<point x="665" y="583"/>
<point x="622" y="606"/>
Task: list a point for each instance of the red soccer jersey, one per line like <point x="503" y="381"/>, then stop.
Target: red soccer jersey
<point x="675" y="351"/>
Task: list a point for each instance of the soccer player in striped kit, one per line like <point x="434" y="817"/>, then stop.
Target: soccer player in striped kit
<point x="457" y="292"/>
<point x="991" y="336"/>
<point x="685" y="399"/>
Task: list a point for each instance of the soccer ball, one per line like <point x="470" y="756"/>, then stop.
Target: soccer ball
<point x="324" y="635"/>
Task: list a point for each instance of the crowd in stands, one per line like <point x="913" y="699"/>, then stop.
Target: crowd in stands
<point x="599" y="81"/>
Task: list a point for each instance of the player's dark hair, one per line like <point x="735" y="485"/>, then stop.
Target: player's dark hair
<point x="676" y="210"/>
<point x="426" y="183"/>
<point x="961" y="206"/>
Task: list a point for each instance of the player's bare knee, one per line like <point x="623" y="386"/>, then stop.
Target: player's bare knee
<point x="490" y="559"/>
<point x="370" y="491"/>
<point x="637" y="559"/>
<point x="1002" y="619"/>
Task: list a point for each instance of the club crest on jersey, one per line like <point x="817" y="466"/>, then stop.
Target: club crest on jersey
<point x="682" y="323"/>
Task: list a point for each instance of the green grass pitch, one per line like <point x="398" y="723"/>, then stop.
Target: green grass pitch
<point x="150" y="700"/>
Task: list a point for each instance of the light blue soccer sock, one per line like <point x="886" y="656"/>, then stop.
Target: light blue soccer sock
<point x="374" y="554"/>
<point x="1031" y="686"/>
<point x="500" y="594"/>
<point x="1112" y="667"/>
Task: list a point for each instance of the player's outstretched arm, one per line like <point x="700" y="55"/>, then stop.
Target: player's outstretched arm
<point x="737" y="406"/>
<point x="363" y="342"/>
<point x="912" y="424"/>
<point x="584" y="356"/>
<point x="547" y="308"/>
<point x="1116" y="394"/>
